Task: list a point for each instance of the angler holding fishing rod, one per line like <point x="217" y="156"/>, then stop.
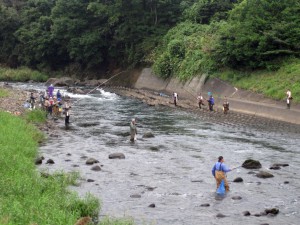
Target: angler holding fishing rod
<point x="67" y="105"/>
<point x="219" y="171"/>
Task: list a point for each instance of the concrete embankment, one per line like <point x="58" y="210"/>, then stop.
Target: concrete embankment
<point x="240" y="100"/>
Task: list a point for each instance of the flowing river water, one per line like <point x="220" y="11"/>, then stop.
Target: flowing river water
<point x="173" y="169"/>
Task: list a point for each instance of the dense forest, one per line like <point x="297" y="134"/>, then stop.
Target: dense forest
<point x="176" y="37"/>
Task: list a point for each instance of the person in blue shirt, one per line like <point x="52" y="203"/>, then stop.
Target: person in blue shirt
<point x="211" y="102"/>
<point x="219" y="171"/>
<point x="58" y="95"/>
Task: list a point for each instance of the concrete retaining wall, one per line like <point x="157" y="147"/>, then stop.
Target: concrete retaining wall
<point x="240" y="100"/>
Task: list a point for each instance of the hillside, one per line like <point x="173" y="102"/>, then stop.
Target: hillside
<point x="240" y="41"/>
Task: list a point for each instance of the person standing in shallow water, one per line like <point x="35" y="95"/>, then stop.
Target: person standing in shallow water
<point x="66" y="108"/>
<point x="133" y="130"/>
<point x="219" y="171"/>
<point x="51" y="90"/>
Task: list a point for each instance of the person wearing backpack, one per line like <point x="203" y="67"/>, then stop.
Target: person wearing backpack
<point x="219" y="171"/>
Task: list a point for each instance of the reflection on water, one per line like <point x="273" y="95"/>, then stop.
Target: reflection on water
<point x="173" y="169"/>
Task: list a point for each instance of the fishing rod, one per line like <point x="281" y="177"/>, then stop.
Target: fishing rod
<point x="193" y="94"/>
<point x="101" y="84"/>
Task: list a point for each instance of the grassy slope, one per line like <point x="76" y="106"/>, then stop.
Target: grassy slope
<point x="25" y="196"/>
<point x="273" y="84"/>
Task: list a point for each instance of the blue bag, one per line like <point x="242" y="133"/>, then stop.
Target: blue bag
<point x="221" y="189"/>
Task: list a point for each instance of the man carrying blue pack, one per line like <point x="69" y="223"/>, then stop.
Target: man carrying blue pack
<point x="219" y="172"/>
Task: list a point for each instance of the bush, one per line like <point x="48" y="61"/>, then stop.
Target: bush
<point x="22" y="75"/>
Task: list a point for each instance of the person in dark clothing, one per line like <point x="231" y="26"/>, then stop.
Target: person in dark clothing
<point x="211" y="102"/>
<point x="58" y="95"/>
<point x="66" y="108"/>
<point x="32" y="101"/>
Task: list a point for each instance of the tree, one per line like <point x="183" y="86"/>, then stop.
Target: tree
<point x="259" y="32"/>
<point x="9" y="23"/>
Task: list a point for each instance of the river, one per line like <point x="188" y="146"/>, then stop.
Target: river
<point x="173" y="169"/>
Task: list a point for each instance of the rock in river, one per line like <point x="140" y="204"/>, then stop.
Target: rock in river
<point x="116" y="156"/>
<point x="148" y="135"/>
<point x="251" y="164"/>
<point x="264" y="174"/>
<point x="238" y="179"/>
<point x="91" y="161"/>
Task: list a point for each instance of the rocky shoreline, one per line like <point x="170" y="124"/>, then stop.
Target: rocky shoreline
<point x="236" y="119"/>
<point x="15" y="101"/>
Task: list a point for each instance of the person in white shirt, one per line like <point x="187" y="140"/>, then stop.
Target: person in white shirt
<point x="288" y="98"/>
<point x="175" y="98"/>
<point x="200" y="100"/>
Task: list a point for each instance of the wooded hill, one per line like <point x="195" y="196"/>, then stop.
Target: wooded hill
<point x="177" y="37"/>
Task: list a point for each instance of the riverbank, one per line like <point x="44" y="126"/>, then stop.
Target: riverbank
<point x="233" y="118"/>
<point x="29" y="196"/>
<point x="241" y="101"/>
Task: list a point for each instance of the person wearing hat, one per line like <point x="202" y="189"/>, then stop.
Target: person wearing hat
<point x="133" y="130"/>
<point x="219" y="171"/>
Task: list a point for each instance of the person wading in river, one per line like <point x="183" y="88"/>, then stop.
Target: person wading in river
<point x="66" y="108"/>
<point x="133" y="130"/>
<point x="219" y="171"/>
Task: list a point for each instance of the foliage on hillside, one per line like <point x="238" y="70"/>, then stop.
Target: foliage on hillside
<point x="53" y="34"/>
<point x="273" y="84"/>
<point x="258" y="34"/>
<point x="181" y="38"/>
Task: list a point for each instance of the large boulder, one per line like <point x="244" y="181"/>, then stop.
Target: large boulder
<point x="92" y="83"/>
<point x="273" y="211"/>
<point x="76" y="91"/>
<point x="264" y="174"/>
<point x="251" y="164"/>
<point x="60" y="82"/>
<point x="65" y="81"/>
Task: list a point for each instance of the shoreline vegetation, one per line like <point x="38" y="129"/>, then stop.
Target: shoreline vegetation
<point x="29" y="196"/>
<point x="272" y="84"/>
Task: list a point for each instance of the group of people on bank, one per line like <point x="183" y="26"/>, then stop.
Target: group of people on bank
<point x="210" y="102"/>
<point x="53" y="105"/>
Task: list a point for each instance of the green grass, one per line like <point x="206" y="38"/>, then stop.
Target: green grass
<point x="26" y="197"/>
<point x="22" y="74"/>
<point x="35" y="116"/>
<point x="273" y="84"/>
<point x="116" y="221"/>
